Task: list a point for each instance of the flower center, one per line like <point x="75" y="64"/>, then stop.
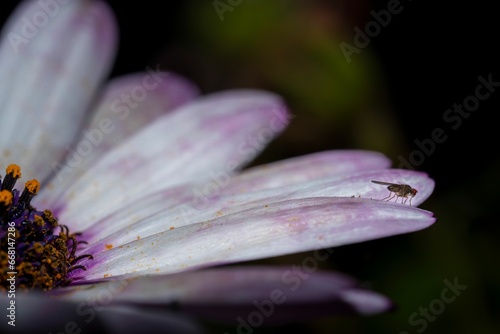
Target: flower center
<point x="36" y="252"/>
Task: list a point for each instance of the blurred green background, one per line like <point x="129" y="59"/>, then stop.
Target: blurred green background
<point x="393" y="92"/>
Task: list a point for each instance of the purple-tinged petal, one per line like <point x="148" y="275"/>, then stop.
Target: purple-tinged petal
<point x="127" y="105"/>
<point x="166" y="204"/>
<point x="286" y="294"/>
<point x="357" y="184"/>
<point x="51" y="62"/>
<point x="278" y="174"/>
<point x="268" y="230"/>
<point x="119" y="320"/>
<point x="365" y="302"/>
<point x="182" y="206"/>
<point x="37" y="313"/>
<point x="213" y="133"/>
<point x="305" y="168"/>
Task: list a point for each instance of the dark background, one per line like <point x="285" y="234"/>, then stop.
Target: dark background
<point x="428" y="58"/>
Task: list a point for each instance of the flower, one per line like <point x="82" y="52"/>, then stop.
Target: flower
<point x="151" y="193"/>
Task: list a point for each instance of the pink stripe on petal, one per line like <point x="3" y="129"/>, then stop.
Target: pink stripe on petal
<point x="51" y="64"/>
<point x="269" y="230"/>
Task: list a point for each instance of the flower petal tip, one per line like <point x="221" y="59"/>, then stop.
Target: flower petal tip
<point x="365" y="302"/>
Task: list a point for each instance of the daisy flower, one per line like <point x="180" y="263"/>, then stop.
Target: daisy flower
<point x="142" y="200"/>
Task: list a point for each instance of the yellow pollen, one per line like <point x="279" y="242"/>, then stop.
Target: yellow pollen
<point x="5" y="197"/>
<point x="45" y="255"/>
<point x="14" y="170"/>
<point x="33" y="186"/>
<point x="39" y="220"/>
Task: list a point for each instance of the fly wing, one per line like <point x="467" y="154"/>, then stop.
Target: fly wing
<point x="385" y="183"/>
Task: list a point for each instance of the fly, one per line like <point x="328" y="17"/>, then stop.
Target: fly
<point x="398" y="190"/>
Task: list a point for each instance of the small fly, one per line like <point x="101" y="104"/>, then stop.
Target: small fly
<point x="398" y="190"/>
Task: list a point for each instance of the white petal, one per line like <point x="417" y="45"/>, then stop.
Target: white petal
<point x="176" y="205"/>
<point x="35" y="312"/>
<point x="134" y="320"/>
<point x="297" y="291"/>
<point x="182" y="206"/>
<point x="270" y="230"/>
<point x="304" y="168"/>
<point x="212" y="134"/>
<point x="127" y="105"/>
<point x="51" y="63"/>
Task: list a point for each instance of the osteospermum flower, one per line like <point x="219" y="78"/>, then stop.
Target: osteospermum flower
<point x="131" y="207"/>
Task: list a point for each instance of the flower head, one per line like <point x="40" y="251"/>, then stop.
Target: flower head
<point x="151" y="184"/>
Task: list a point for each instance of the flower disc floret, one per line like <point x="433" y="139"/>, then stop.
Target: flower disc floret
<point x="35" y="250"/>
